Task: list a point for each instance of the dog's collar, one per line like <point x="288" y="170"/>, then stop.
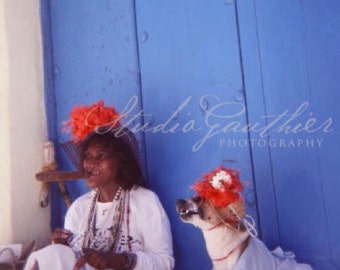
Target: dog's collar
<point x="243" y="246"/>
<point x="214" y="227"/>
<point x="223" y="258"/>
<point x="231" y="223"/>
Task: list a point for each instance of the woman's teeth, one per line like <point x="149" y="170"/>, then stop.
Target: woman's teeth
<point x="93" y="172"/>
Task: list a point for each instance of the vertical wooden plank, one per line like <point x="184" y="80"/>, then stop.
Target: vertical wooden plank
<point x="50" y="101"/>
<point x="94" y="57"/>
<point x="48" y="72"/>
<point x="190" y="64"/>
<point x="253" y="77"/>
<point x="322" y="56"/>
<point x="296" y="60"/>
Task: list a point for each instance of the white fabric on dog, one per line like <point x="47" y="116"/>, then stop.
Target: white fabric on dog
<point x="257" y="257"/>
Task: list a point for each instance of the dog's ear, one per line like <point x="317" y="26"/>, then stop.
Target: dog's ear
<point x="233" y="213"/>
<point x="237" y="208"/>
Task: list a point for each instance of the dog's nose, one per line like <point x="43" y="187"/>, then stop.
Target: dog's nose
<point x="181" y="203"/>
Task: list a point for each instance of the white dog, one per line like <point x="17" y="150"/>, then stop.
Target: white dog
<point x="229" y="235"/>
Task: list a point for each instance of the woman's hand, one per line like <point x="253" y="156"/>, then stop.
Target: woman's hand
<point x="60" y="236"/>
<point x="100" y="260"/>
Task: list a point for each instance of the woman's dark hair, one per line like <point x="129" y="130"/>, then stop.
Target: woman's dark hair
<point x="117" y="145"/>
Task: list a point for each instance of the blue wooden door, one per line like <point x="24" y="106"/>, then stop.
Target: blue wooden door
<point x="192" y="80"/>
<point x="248" y="84"/>
<point x="291" y="68"/>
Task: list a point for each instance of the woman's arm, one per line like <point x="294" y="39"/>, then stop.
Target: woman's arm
<point x="60" y="236"/>
<point x="154" y="227"/>
<point x="105" y="260"/>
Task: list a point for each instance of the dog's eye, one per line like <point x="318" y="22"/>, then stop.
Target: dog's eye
<point x="196" y="199"/>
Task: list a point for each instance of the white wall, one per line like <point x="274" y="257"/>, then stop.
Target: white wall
<point x="22" y="123"/>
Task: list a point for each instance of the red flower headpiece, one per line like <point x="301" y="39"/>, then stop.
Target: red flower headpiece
<point x="221" y="186"/>
<point x="85" y="119"/>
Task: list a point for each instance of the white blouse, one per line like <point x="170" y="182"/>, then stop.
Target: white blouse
<point x="149" y="228"/>
<point x="148" y="234"/>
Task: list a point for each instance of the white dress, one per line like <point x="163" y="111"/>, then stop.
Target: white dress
<point x="146" y="232"/>
<point x="257" y="257"/>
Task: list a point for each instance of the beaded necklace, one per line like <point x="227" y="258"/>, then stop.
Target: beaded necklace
<point x="121" y="201"/>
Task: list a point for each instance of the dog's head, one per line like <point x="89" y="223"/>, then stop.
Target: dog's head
<point x="205" y="216"/>
<point x="218" y="200"/>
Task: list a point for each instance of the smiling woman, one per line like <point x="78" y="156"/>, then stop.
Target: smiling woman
<point x="110" y="226"/>
<point x="114" y="155"/>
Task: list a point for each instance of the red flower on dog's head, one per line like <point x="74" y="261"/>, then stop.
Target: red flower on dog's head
<point x="85" y="119"/>
<point x="221" y="187"/>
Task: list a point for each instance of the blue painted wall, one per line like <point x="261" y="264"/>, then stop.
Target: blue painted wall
<point x="258" y="79"/>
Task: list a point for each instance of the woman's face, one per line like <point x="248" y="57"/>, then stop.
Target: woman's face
<point x="100" y="166"/>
